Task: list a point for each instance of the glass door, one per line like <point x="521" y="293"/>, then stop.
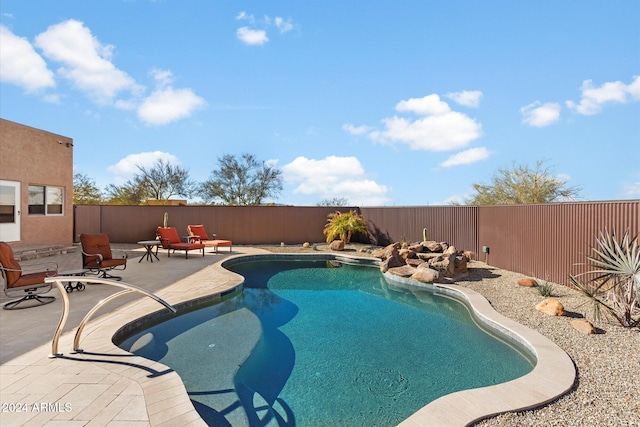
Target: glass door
<point x="9" y="211"/>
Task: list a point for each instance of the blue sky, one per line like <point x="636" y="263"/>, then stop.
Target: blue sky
<point x="388" y="103"/>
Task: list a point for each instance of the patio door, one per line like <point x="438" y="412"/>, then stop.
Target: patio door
<point x="9" y="211"/>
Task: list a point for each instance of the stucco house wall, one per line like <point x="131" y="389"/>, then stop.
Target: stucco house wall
<point x="38" y="158"/>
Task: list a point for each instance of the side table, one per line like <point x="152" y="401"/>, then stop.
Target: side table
<point x="149" y="245"/>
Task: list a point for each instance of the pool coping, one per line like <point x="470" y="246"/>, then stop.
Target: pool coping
<point x="162" y="394"/>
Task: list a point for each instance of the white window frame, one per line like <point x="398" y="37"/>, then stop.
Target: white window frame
<point x="49" y="194"/>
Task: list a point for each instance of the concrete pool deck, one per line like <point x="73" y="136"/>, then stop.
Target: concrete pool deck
<point x="106" y="386"/>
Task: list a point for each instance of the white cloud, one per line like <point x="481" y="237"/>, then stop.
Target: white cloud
<point x="126" y="168"/>
<point x="633" y="190"/>
<point x="564" y="177"/>
<point x="86" y="63"/>
<point x="258" y="36"/>
<point x="429" y="105"/>
<point x="167" y="105"/>
<point x="244" y="16"/>
<point x="540" y="115"/>
<point x="163" y="78"/>
<point x="356" y="130"/>
<point x="467" y="157"/>
<point x="468" y="98"/>
<point x="283" y="26"/>
<point x="455" y="199"/>
<point x="593" y="98"/>
<point x="441" y="129"/>
<point x="252" y="37"/>
<point x="21" y="65"/>
<point x="335" y="177"/>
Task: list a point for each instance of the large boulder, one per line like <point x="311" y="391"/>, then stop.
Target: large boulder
<point x="460" y="264"/>
<point x="426" y="275"/>
<point x="583" y="326"/>
<point x="450" y="250"/>
<point x="432" y="246"/>
<point x="528" y="282"/>
<point x="391" y="262"/>
<point x="336" y="245"/>
<point x="445" y="264"/>
<point x="415" y="262"/>
<point x="407" y="253"/>
<point x="551" y="306"/>
<point x="402" y="271"/>
<point x="416" y="247"/>
<point x="427" y="256"/>
<point x="387" y="251"/>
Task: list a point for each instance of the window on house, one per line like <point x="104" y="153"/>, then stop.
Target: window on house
<point x="7" y="204"/>
<point x="45" y="200"/>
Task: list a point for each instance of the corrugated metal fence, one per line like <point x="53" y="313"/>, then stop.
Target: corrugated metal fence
<point x="543" y="241"/>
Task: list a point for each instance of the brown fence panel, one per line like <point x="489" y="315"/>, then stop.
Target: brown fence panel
<point x="86" y="219"/>
<point x="550" y="241"/>
<point x="456" y="225"/>
<point x="242" y="224"/>
<point x="544" y="241"/>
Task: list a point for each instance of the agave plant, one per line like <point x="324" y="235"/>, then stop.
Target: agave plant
<point x="613" y="284"/>
<point x="343" y="226"/>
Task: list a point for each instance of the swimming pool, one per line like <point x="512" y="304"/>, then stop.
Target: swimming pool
<point x="325" y="343"/>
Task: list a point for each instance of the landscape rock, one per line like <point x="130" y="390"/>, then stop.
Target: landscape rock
<point x="407" y="253"/>
<point x="528" y="282"/>
<point x="432" y="246"/>
<point x="583" y="326"/>
<point x="426" y="256"/>
<point x="336" y="245"/>
<point x="415" y="262"/>
<point x="402" y="271"/>
<point x="460" y="264"/>
<point x="306" y="245"/>
<point x="445" y="264"/>
<point x="450" y="250"/>
<point x="469" y="255"/>
<point x="391" y="262"/>
<point x="417" y="247"/>
<point x="426" y="275"/>
<point x="551" y="306"/>
<point x="386" y="252"/>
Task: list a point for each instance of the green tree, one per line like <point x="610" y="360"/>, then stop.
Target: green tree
<point x="241" y="182"/>
<point x="85" y="191"/>
<point x="334" y="201"/>
<point x="160" y="181"/>
<point x="127" y="194"/>
<point x="523" y="185"/>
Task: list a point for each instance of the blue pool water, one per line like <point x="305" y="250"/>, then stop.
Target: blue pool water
<point x="318" y="343"/>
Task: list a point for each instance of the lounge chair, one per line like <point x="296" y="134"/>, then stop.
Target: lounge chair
<point x="171" y="242"/>
<point x="19" y="283"/>
<point x="98" y="257"/>
<point x="199" y="234"/>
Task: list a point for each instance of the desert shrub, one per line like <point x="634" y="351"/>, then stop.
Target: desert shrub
<point x="343" y="225"/>
<point x="546" y="289"/>
<point x="613" y="283"/>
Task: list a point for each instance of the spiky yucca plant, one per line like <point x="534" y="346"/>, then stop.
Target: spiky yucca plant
<point x="343" y="226"/>
<point x="613" y="285"/>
